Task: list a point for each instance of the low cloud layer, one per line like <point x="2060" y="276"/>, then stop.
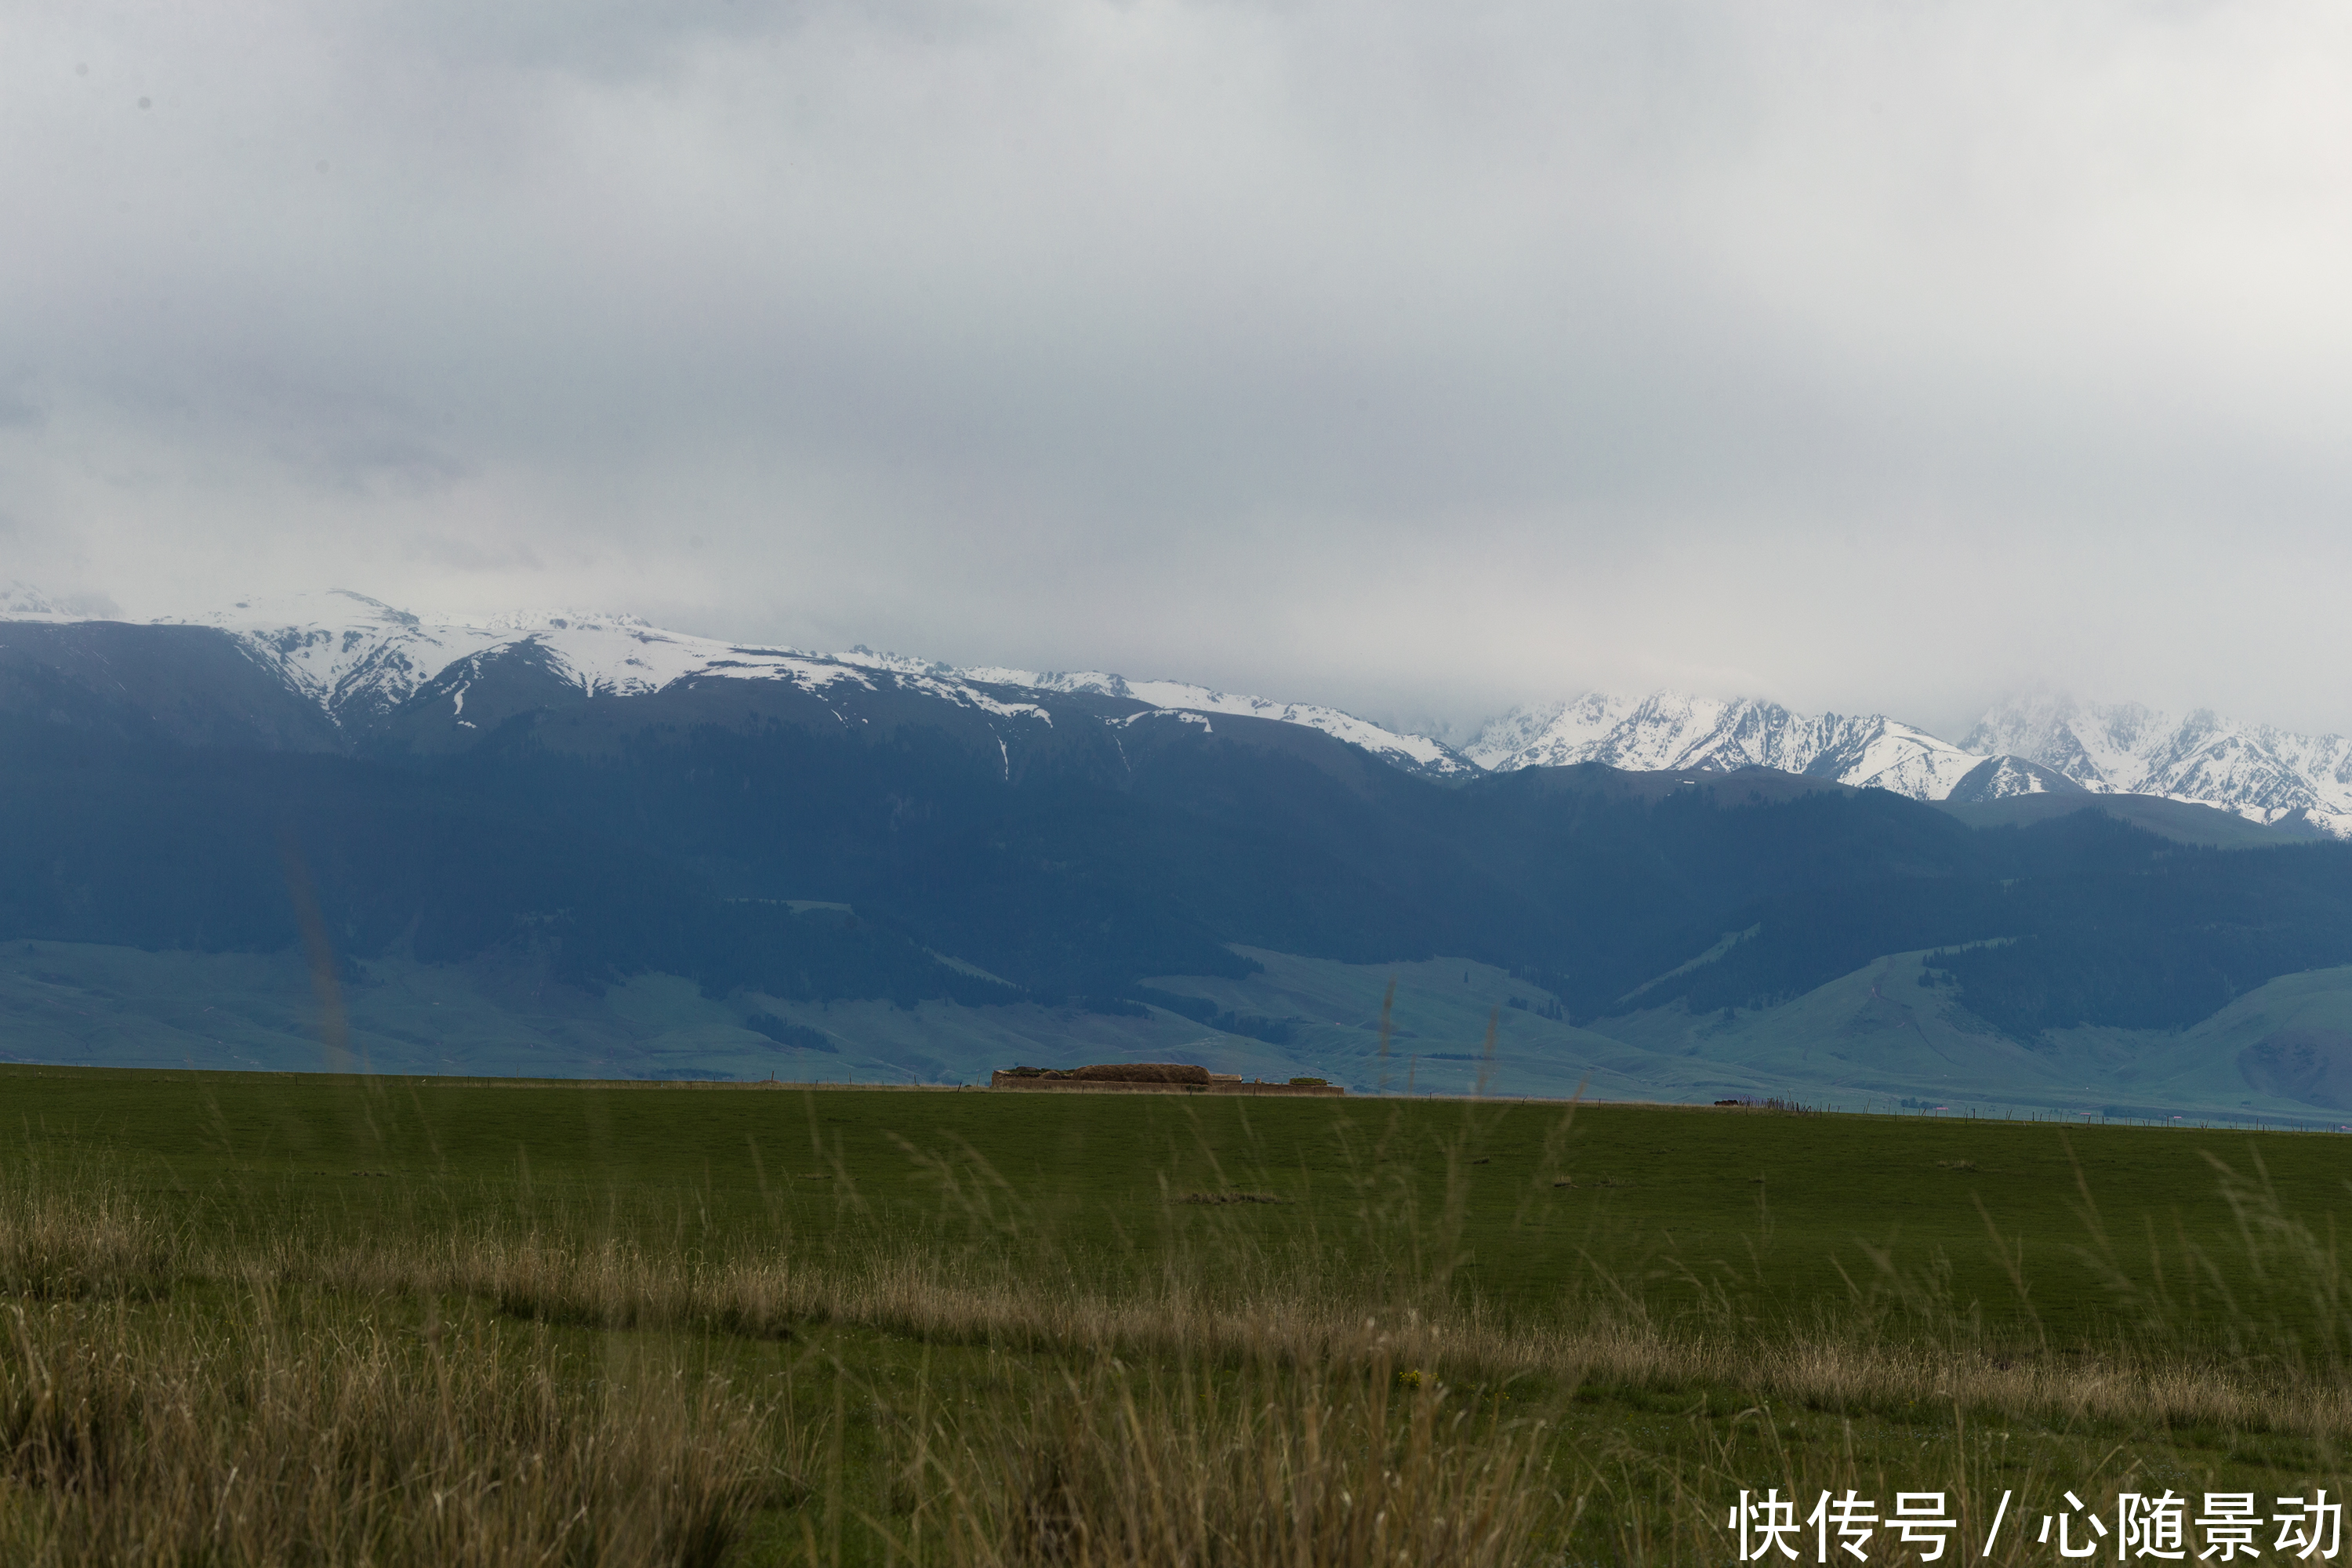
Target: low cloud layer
<point x="1420" y="358"/>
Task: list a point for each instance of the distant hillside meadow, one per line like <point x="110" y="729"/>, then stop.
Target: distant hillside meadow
<point x="579" y="846"/>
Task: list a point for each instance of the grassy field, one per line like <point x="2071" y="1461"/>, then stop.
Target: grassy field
<point x="272" y="1317"/>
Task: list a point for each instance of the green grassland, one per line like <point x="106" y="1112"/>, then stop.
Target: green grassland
<point x="1673" y="1204"/>
<point x="1643" y="1308"/>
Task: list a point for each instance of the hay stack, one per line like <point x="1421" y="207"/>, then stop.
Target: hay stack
<point x="1142" y="1072"/>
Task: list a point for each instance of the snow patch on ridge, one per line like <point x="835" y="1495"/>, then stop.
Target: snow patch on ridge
<point x="1413" y="753"/>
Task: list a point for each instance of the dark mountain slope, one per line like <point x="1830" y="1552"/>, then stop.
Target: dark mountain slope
<point x="190" y="685"/>
<point x="2179" y="820"/>
<point x="164" y="846"/>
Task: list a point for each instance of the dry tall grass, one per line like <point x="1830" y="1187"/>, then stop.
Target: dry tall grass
<point x="1319" y="1465"/>
<point x="166" y="1401"/>
<point x="168" y="1398"/>
<point x="242" y="1437"/>
<point x="67" y="1243"/>
<point x="1836" y="1363"/>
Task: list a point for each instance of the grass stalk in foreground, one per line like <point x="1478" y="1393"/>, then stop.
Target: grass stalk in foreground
<point x="248" y="1436"/>
<point x="1323" y="1464"/>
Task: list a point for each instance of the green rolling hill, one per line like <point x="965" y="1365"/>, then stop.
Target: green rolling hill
<point x="1876" y="1038"/>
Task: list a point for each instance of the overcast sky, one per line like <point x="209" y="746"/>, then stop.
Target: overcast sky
<point x="1424" y="358"/>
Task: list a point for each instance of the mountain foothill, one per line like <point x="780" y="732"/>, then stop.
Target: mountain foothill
<point x="578" y="845"/>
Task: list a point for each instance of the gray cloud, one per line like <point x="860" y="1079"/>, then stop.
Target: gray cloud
<point x="1420" y="358"/>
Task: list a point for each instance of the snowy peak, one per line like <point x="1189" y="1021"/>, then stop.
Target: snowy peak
<point x="1998" y="778"/>
<point x="2262" y="773"/>
<point x="1553" y="736"/>
<point x="2099" y="747"/>
<point x="1669" y="729"/>
<point x="349" y="654"/>
<point x="2034" y="744"/>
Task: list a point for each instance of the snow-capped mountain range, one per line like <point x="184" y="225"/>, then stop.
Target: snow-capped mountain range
<point x="2024" y="745"/>
<point x="356" y="656"/>
<point x="1669" y="730"/>
<point x="2262" y="773"/>
<point x="359" y="658"/>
